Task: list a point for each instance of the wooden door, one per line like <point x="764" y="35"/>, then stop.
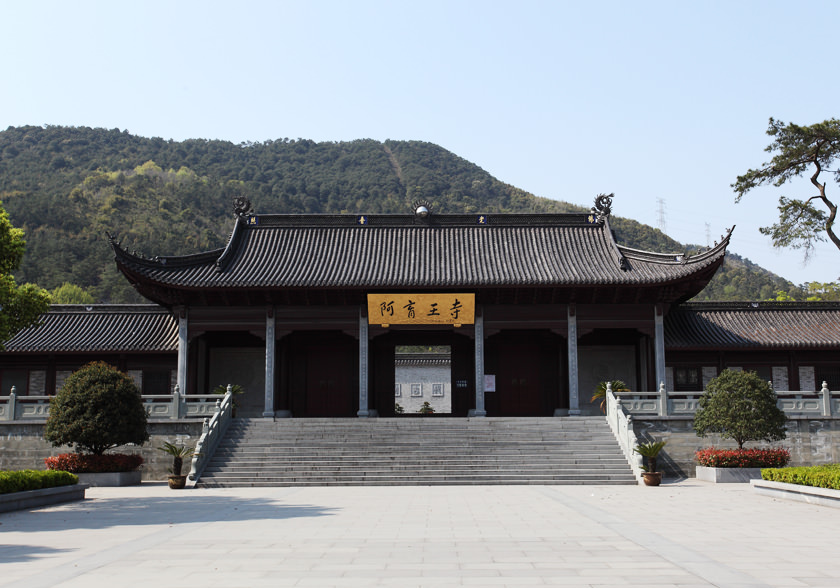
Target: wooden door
<point x="518" y="383"/>
<point x="329" y="381"/>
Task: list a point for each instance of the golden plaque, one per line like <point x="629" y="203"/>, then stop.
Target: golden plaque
<point x="421" y="309"/>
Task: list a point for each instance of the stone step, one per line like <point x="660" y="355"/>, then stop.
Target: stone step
<point x="368" y="467"/>
<point x="421" y="460"/>
<point x="391" y="480"/>
<point x="424" y="451"/>
<point x="370" y="449"/>
<point x="432" y="474"/>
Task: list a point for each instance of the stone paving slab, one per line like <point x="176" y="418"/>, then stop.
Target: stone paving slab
<point x="689" y="534"/>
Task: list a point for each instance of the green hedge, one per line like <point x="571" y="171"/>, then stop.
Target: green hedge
<point x="21" y="480"/>
<point x="824" y="476"/>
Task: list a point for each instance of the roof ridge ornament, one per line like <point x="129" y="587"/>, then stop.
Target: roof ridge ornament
<point x="603" y="205"/>
<point x="241" y="206"/>
<point x="422" y="208"/>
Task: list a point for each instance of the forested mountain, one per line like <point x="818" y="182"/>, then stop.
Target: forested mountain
<point x="67" y="186"/>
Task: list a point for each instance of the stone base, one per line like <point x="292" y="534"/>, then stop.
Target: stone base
<point x="111" y="478"/>
<point x="43" y="497"/>
<point x="728" y="475"/>
<point x="809" y="494"/>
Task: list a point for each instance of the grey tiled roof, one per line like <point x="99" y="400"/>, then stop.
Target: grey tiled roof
<point x="710" y="325"/>
<point x="742" y="325"/>
<point x="91" y="328"/>
<point x="395" y="252"/>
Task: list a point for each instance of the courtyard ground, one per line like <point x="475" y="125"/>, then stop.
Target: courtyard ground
<point x="685" y="534"/>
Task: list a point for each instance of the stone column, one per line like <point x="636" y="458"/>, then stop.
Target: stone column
<point x="364" y="410"/>
<point x="479" y="411"/>
<point x="659" y="344"/>
<point x="574" y="392"/>
<point x="183" y="347"/>
<point x="270" y="354"/>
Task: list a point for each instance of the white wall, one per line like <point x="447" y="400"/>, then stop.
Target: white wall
<point x="425" y="376"/>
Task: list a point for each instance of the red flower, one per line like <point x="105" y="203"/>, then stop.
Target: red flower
<point x="743" y="458"/>
<point x="83" y="463"/>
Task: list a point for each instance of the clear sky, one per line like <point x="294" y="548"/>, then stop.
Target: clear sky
<point x="663" y="103"/>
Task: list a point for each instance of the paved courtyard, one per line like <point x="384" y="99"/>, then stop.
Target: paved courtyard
<point x="686" y="534"/>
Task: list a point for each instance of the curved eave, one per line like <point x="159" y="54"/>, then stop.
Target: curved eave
<point x="540" y="256"/>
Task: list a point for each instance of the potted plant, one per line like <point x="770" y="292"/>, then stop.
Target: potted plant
<point x="650" y="451"/>
<point x="601" y="391"/>
<point x="426" y="409"/>
<point x="178" y="453"/>
<point x="235" y="389"/>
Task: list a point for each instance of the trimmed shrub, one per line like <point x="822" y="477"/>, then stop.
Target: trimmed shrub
<point x="97" y="409"/>
<point x="743" y="458"/>
<point x="824" y="476"/>
<point x="22" y="480"/>
<point x="85" y="463"/>
<point x="742" y="407"/>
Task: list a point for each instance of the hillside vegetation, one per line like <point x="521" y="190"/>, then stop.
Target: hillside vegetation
<point x="67" y="186"/>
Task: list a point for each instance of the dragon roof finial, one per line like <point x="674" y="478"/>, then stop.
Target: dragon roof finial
<point x="241" y="206"/>
<point x="603" y="205"/>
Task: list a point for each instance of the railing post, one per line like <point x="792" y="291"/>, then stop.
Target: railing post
<point x="826" y="399"/>
<point x="175" y="412"/>
<point x="663" y="400"/>
<point x="13" y="404"/>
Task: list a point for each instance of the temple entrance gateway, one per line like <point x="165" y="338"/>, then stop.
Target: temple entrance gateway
<point x="332" y="299"/>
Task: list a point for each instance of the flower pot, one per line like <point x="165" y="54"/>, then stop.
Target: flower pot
<point x="177" y="482"/>
<point x="113" y="479"/>
<point x="727" y="475"/>
<point x="652" y="478"/>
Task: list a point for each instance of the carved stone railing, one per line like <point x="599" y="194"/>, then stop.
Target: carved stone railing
<point x="662" y="403"/>
<point x="24" y="408"/>
<point x="158" y="407"/>
<point x="211" y="434"/>
<point x="621" y="424"/>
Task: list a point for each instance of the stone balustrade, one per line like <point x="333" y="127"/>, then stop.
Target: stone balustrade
<point x="621" y="423"/>
<point x="823" y="403"/>
<point x="158" y="406"/>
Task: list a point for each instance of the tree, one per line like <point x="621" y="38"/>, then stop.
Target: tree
<point x="69" y="293"/>
<point x="742" y="407"/>
<point x="20" y="306"/>
<point x="822" y="291"/>
<point x="97" y="409"/>
<point x="798" y="150"/>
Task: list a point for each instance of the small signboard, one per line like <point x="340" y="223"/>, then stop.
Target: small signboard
<point x="421" y="309"/>
<point x="489" y="382"/>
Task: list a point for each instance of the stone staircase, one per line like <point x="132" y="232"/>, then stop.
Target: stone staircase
<point x="417" y="451"/>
